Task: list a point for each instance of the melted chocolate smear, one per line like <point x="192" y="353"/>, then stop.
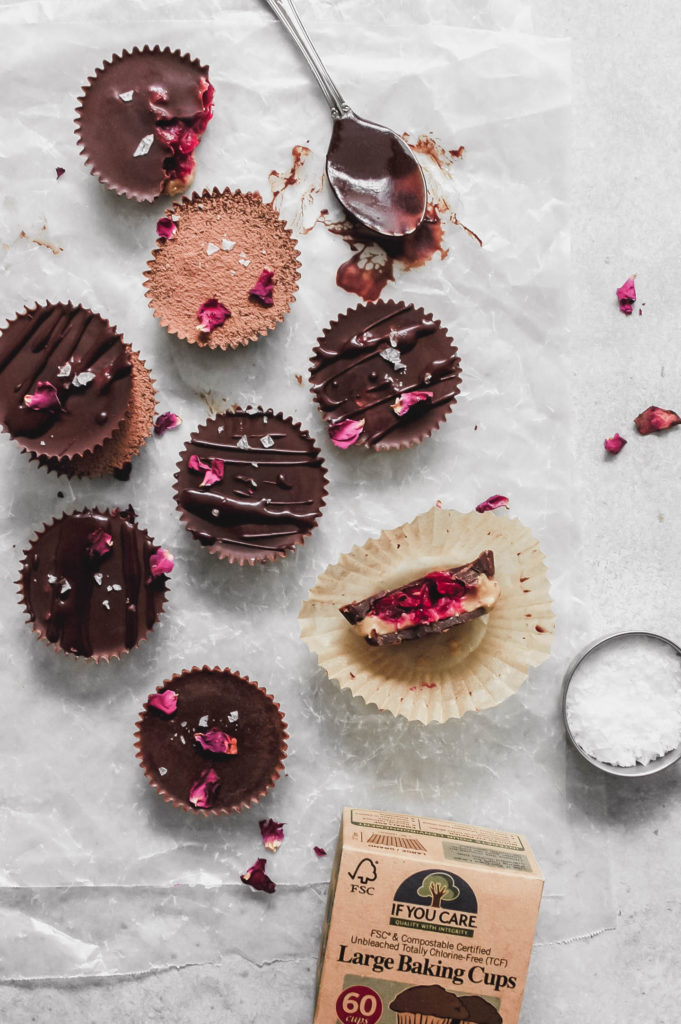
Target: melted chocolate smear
<point x="213" y="697"/>
<point x="92" y="606"/>
<point x="269" y="497"/>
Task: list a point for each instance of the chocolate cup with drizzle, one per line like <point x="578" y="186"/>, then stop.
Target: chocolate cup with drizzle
<point x="385" y="374"/>
<point x="250" y="485"/>
<point x="87" y="595"/>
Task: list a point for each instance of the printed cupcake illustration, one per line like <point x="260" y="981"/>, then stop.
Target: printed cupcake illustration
<point x="427" y="1004"/>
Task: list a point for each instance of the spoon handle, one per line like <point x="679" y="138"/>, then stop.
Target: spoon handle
<point x="288" y="15"/>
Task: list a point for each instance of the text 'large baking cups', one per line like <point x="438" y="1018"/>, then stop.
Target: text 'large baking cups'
<point x="471" y="667"/>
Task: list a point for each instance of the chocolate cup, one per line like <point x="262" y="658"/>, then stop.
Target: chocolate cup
<point x="128" y="572"/>
<point x="271" y="477"/>
<point x="263" y="718"/>
<point x="90" y="413"/>
<point x="371" y="383"/>
<point x="181" y="266"/>
<point x="106" y="127"/>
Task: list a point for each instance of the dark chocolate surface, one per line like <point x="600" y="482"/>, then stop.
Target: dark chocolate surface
<point x="480" y="1011"/>
<point x="57" y="344"/>
<point x="352" y="379"/>
<point x="166" y="87"/>
<point x="270" y="496"/>
<point x="88" y="605"/>
<point x="206" y="700"/>
<point x="431" y="1000"/>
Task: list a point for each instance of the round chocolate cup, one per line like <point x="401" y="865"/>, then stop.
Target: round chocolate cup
<point x="59" y="581"/>
<point x="210" y="696"/>
<point x="110" y="130"/>
<point x="182" y="274"/>
<point x="350" y="385"/>
<point x="235" y="496"/>
<point x="91" y="412"/>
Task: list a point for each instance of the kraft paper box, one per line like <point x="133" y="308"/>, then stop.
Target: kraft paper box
<point x="427" y="922"/>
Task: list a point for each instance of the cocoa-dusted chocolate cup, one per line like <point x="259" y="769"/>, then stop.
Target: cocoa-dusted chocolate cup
<point x="94" y="583"/>
<point x="250" y="485"/>
<point x="384" y="376"/>
<point x="229" y="272"/>
<point x="140" y="118"/>
<point x="211" y="741"/>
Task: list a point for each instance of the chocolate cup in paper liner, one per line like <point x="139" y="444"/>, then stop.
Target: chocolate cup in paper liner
<point x="471" y="667"/>
<point x="92" y="607"/>
<point x="370" y="359"/>
<point x="87" y="364"/>
<point x="115" y="454"/>
<point x="282" y="486"/>
<point x="130" y="110"/>
<point x="207" y="697"/>
<point x="424" y="1018"/>
<point x="224" y="240"/>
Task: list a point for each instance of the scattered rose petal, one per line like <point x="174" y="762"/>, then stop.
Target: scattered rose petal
<point x="213" y="471"/>
<point x="216" y="741"/>
<point x="626" y="296"/>
<point x="263" y="288"/>
<point x="320" y="851"/>
<point x="161" y="563"/>
<point x="204" y="790"/>
<point x="144" y="145"/>
<point x="654" y="419"/>
<point x="99" y="543"/>
<point x="126" y="96"/>
<point x="166" y="421"/>
<point x="495" y="501"/>
<point x="256" y="877"/>
<point x="45" y="396"/>
<point x="272" y="833"/>
<point x="166" y="228"/>
<point x="211" y="249"/>
<point x="346" y="433"/>
<point x="211" y="314"/>
<point x="405" y="401"/>
<point x="60" y="171"/>
<point x="614" y="444"/>
<point x="165" y="702"/>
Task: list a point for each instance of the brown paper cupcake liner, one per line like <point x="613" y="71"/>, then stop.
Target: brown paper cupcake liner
<point x="415" y="427"/>
<point x="116" y="59"/>
<point x="182" y="273"/>
<point x="263" y="556"/>
<point x="39" y="630"/>
<point x="471" y="667"/>
<point x="184" y="805"/>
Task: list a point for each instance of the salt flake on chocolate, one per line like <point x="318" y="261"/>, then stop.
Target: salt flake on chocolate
<point x="144" y="145"/>
<point x="243" y="443"/>
<point x="392" y="356"/>
<point x="272" y="833"/>
<point x="257" y="879"/>
<point x="211" y="249"/>
<point x="227" y="245"/>
<point x="126" y="96"/>
<point x="267" y="441"/>
<point x="81" y="380"/>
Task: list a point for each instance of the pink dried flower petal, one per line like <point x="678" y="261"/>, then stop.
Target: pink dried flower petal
<point x="213" y="471"/>
<point x="211" y="314"/>
<point x="166" y="421"/>
<point x="216" y="741"/>
<point x="161" y="563"/>
<point x="165" y="701"/>
<point x="99" y="543"/>
<point x="494" y="501"/>
<point x="272" y="833"/>
<point x="256" y="877"/>
<point x="320" y="851"/>
<point x="166" y="228"/>
<point x="614" y="444"/>
<point x="404" y="402"/>
<point x="626" y="296"/>
<point x="197" y="465"/>
<point x="346" y="433"/>
<point x="45" y="396"/>
<point x="654" y="419"/>
<point x="60" y="171"/>
<point x="204" y="790"/>
<point x="263" y="289"/>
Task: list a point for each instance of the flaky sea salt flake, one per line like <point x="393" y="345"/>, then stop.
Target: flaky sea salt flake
<point x="211" y="249"/>
<point x="126" y="96"/>
<point x="267" y="441"/>
<point x="144" y="145"/>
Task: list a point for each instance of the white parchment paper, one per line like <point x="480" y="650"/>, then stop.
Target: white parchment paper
<point x="100" y="876"/>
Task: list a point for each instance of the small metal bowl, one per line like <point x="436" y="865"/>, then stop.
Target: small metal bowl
<point x="638" y="770"/>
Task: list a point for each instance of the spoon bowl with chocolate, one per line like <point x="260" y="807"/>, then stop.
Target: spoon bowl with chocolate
<point x="372" y="171"/>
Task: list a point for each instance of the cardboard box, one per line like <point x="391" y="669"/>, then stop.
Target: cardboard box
<point x="427" y="922"/>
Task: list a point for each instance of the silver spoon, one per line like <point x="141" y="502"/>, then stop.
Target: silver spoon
<point x="373" y="172"/>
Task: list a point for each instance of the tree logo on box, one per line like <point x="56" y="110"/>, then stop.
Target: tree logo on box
<point x="439" y="888"/>
<point x="365" y="871"/>
<point x="437" y="901"/>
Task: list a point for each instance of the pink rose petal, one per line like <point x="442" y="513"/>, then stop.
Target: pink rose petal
<point x="45" y="396"/>
<point x="166" y="421"/>
<point x="204" y="790"/>
<point x="216" y="741"/>
<point x="166" y="228"/>
<point x="263" y="289"/>
<point x="405" y="401"/>
<point x="211" y="314"/>
<point x="256" y="877"/>
<point x="495" y="501"/>
<point x="614" y="444"/>
<point x="272" y="833"/>
<point x="346" y="433"/>
<point x="60" y="171"/>
<point x="654" y="419"/>
<point x="213" y="471"/>
<point x="626" y="296"/>
<point x="99" y="543"/>
<point x="320" y="851"/>
<point x="165" y="702"/>
<point x="161" y="563"/>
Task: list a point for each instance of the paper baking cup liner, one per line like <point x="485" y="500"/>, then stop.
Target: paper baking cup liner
<point x="423" y="1018"/>
<point x="212" y="812"/>
<point x="182" y="273"/>
<point x="471" y="667"/>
